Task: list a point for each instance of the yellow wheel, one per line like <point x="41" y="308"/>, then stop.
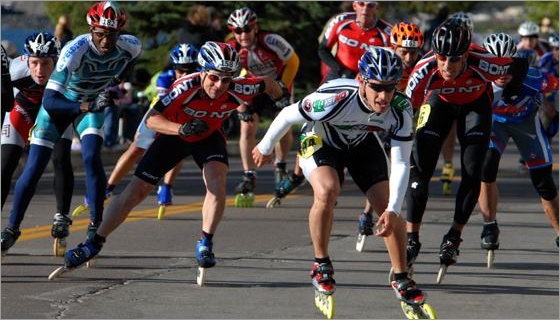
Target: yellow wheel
<point x="79" y="210"/>
<point x="325" y="304"/>
<point x="409" y="311"/>
<point x="161" y="212"/>
<point x="361" y="242"/>
<point x="447" y="188"/>
<point x="59" y="247"/>
<point x="429" y="311"/>
<point x="490" y="259"/>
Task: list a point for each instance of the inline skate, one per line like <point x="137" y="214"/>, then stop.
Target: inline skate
<point x="205" y="259"/>
<point x="244" y="196"/>
<point x="60" y="230"/>
<point x="449" y="250"/>
<point x="489" y="241"/>
<point x="165" y="195"/>
<point x="413" y="300"/>
<point x="76" y="258"/>
<point x="284" y="188"/>
<point x="85" y="206"/>
<point x="365" y="228"/>
<point x="447" y="174"/>
<point x="324" y="286"/>
<point x="9" y="238"/>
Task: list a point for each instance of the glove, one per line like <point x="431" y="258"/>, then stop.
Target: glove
<point x="284" y="100"/>
<point x="101" y="102"/>
<point x="194" y="126"/>
<point x="246" y="116"/>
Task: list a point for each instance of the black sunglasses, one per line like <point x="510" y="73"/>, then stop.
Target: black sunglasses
<point x="245" y="29"/>
<point x="443" y="58"/>
<point x="382" y="87"/>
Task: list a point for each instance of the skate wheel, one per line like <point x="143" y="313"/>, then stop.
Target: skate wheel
<point x="447" y="188"/>
<point x="429" y="312"/>
<point x="361" y="242"/>
<point x="441" y="273"/>
<point x="161" y="212"/>
<point x="59" y="247"/>
<point x="200" y="276"/>
<point x="409" y="311"/>
<point x="325" y="304"/>
<point x="272" y="203"/>
<point x="79" y="210"/>
<point x="56" y="273"/>
<point x="244" y="200"/>
<point x="490" y="259"/>
<point x="91" y="263"/>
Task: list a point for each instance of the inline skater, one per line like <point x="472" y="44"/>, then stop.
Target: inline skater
<point x="183" y="62"/>
<point x="341" y="116"/>
<point x="452" y="83"/>
<point x="262" y="53"/>
<point x="518" y="120"/>
<point x="29" y="75"/>
<point x="188" y="120"/>
<point x="75" y="94"/>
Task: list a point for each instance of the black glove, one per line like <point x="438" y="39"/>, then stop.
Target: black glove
<point x="194" y="126"/>
<point x="101" y="102"/>
<point x="284" y="100"/>
<point x="246" y="116"/>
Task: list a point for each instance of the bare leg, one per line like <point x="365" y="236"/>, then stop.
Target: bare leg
<point x="488" y="201"/>
<point x="214" y="174"/>
<point x="324" y="181"/>
<point x="247" y="141"/>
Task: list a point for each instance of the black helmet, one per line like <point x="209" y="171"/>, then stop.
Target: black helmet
<point x="451" y="38"/>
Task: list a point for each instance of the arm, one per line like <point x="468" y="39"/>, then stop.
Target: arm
<point x="290" y="71"/>
<point x="159" y="123"/>
<point x="56" y="103"/>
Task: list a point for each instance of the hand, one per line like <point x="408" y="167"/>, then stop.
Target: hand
<point x="259" y="158"/>
<point x="101" y="102"/>
<point x="386" y="224"/>
<point x="194" y="126"/>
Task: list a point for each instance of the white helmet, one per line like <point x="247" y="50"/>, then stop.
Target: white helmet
<point x="219" y="56"/>
<point x="528" y="29"/>
<point x="500" y="45"/>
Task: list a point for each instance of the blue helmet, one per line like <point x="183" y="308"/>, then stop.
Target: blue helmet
<point x="381" y="64"/>
<point x="184" y="55"/>
<point x="42" y="44"/>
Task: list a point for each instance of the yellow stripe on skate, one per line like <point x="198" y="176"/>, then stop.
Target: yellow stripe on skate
<point x="82" y="224"/>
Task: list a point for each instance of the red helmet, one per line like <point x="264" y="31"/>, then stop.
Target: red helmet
<point x="107" y="15"/>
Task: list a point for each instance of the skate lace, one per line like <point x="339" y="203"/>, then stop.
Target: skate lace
<point x="61" y="219"/>
<point x="450" y="247"/>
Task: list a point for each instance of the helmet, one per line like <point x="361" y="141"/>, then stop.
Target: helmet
<point x="183" y="54"/>
<point x="451" y="38"/>
<point x="407" y="35"/>
<point x="465" y="19"/>
<point x="42" y="44"/>
<point x="106" y="14"/>
<point x="500" y="45"/>
<point x="553" y="40"/>
<point x="241" y="18"/>
<point x="529" y="54"/>
<point x="218" y="56"/>
<point x="382" y="64"/>
<point x="528" y="29"/>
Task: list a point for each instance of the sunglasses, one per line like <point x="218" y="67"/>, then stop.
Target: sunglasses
<point x="216" y="78"/>
<point x="382" y="87"/>
<point x="245" y="29"/>
<point x="103" y="35"/>
<point x="444" y="58"/>
<point x="368" y="4"/>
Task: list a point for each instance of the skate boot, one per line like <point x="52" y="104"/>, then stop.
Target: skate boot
<point x="412" y="300"/>
<point x="412" y="251"/>
<point x="365" y="228"/>
<point x="449" y="250"/>
<point x="91" y="230"/>
<point x="283" y="188"/>
<point x="165" y="195"/>
<point x="489" y="236"/>
<point x="204" y="254"/>
<point x="9" y="238"/>
<point x="60" y="230"/>
<point x="244" y="192"/>
<point x="280" y="172"/>
<point x="447" y="173"/>
<point x="83" y="253"/>
<point x="324" y="286"/>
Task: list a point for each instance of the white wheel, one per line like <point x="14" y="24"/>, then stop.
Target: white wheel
<point x="200" y="276"/>
<point x="58" y="271"/>
<point x="361" y="242"/>
<point x="441" y="273"/>
<point x="273" y="203"/>
<point x="490" y="259"/>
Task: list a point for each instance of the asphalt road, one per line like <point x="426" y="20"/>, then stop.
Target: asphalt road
<point x="147" y="267"/>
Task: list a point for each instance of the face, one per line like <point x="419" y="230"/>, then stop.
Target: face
<point x="378" y="94"/>
<point x="181" y="72"/>
<point x="451" y="67"/>
<point x="528" y="42"/>
<point x="41" y="69"/>
<point x="246" y="36"/>
<point x="365" y="11"/>
<point x="105" y="40"/>
<point x="408" y="56"/>
<point x="503" y="80"/>
<point x="215" y="83"/>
